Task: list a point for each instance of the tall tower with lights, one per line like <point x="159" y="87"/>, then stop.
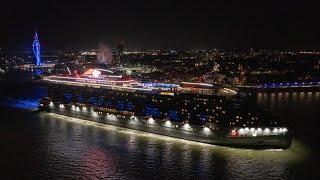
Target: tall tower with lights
<point x="36" y="49"/>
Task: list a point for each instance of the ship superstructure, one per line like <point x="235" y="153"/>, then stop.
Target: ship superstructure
<point x="195" y="111"/>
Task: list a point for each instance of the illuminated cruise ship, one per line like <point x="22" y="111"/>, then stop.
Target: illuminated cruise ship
<point x="193" y="111"/>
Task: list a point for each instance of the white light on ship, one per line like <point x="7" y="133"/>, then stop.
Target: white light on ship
<point x="112" y="117"/>
<point x="206" y="129"/>
<point x="254" y="133"/>
<point x="73" y="107"/>
<point x="84" y="108"/>
<point x="61" y="106"/>
<point x="133" y="118"/>
<point x="280" y="130"/>
<point x="285" y="130"/>
<point x="167" y="123"/>
<point x="96" y="73"/>
<point x="259" y="131"/>
<point x="94" y="114"/>
<point x="186" y="126"/>
<point x="151" y="121"/>
<point x="275" y="131"/>
<point x="246" y="130"/>
<point x="241" y="131"/>
<point x="77" y="109"/>
<point x="266" y="131"/>
<point x="51" y="104"/>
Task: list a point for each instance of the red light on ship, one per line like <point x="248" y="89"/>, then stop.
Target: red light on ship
<point x="234" y="133"/>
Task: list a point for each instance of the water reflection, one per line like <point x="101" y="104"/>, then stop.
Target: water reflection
<point x="83" y="149"/>
<point x="279" y="99"/>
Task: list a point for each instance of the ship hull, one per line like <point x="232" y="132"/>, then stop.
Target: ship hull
<point x="142" y="124"/>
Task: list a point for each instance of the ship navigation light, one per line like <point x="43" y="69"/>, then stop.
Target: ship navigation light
<point x="151" y="121"/>
<point x="168" y="123"/>
<point x="187" y="126"/>
<point x="51" y="104"/>
<point x="206" y="129"/>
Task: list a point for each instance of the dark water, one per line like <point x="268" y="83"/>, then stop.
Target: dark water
<point x="43" y="145"/>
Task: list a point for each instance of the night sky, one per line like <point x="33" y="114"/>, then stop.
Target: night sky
<point x="161" y="24"/>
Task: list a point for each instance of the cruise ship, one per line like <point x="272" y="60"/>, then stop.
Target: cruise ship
<point x="193" y="111"/>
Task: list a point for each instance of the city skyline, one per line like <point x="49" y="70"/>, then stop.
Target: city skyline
<point x="165" y="24"/>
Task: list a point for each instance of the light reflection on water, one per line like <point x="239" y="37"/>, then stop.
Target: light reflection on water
<point x="89" y="149"/>
<point x="292" y="98"/>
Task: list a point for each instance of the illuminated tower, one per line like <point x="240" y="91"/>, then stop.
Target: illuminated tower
<point x="36" y="49"/>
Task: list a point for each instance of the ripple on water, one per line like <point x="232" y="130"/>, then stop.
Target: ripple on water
<point x="64" y="147"/>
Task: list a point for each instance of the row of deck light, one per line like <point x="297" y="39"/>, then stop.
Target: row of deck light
<point x="111" y="117"/>
<point x="134" y="118"/>
<point x="259" y="131"/>
<point x="169" y="124"/>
